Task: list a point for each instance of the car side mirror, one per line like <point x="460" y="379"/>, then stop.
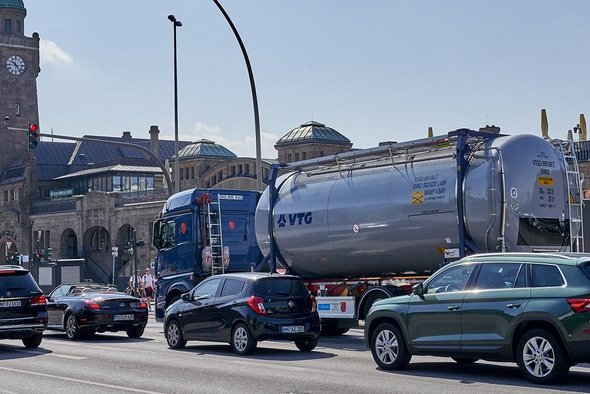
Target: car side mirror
<point x="418" y="289"/>
<point x="186" y="296"/>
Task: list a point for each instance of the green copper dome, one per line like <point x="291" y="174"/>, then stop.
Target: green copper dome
<point x="12" y="4"/>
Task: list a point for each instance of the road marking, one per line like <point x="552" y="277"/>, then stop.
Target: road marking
<point x="109" y="386"/>
<point x="274" y="366"/>
<point x="39" y="353"/>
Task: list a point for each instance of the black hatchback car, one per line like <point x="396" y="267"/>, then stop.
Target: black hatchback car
<point x="243" y="309"/>
<point x="23" y="309"/>
<point x="532" y="309"/>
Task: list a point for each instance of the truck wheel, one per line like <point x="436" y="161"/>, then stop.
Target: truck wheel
<point x="306" y="344"/>
<point x="174" y="335"/>
<point x="241" y="340"/>
<point x="388" y="348"/>
<point x="33" y="341"/>
<point x="541" y="357"/>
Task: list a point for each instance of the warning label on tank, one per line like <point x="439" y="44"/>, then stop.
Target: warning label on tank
<point x="546" y="181"/>
<point x="428" y="188"/>
<point x="417" y="197"/>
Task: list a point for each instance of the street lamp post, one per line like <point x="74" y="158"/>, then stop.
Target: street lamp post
<point x="254" y="97"/>
<point x="175" y="24"/>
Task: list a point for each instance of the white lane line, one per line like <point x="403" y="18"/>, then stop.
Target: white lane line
<point x="109" y="386"/>
<point x="38" y="353"/>
<point x="274" y="366"/>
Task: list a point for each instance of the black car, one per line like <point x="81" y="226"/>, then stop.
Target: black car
<point x="84" y="309"/>
<point x="243" y="309"/>
<point x="23" y="310"/>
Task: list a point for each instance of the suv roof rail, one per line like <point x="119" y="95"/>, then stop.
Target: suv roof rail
<point x="560" y="255"/>
<point x="12" y="267"/>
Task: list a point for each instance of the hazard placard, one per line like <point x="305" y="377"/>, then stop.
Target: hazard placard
<point x="546" y="181"/>
<point x="418" y="197"/>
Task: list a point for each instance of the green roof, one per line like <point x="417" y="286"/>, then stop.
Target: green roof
<point x="313" y="132"/>
<point x="12" y="4"/>
<point x="205" y="148"/>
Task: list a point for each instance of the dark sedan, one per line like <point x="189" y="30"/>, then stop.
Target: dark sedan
<point x="243" y="309"/>
<point x="84" y="309"/>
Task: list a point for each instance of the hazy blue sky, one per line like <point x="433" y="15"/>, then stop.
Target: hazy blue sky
<point x="375" y="70"/>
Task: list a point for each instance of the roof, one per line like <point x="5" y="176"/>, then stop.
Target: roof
<point x="565" y="258"/>
<point x="111" y="169"/>
<point x="205" y="148"/>
<point x="313" y="132"/>
<point x="18" y="4"/>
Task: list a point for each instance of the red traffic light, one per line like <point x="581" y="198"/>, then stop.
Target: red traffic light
<point x="33" y="128"/>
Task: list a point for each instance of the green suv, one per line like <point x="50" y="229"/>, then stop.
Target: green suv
<point x="532" y="308"/>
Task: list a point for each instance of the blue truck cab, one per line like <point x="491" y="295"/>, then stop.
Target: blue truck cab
<point x="202" y="232"/>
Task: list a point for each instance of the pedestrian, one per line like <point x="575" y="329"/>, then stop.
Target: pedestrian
<point x="135" y="283"/>
<point x="147" y="284"/>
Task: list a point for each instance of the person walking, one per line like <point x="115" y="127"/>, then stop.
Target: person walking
<point x="147" y="284"/>
<point x="135" y="284"/>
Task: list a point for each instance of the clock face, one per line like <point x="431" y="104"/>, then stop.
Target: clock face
<point x="15" y="65"/>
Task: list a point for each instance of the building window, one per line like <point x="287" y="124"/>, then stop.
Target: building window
<point x="246" y="169"/>
<point x="17" y="110"/>
<point x="18" y="28"/>
<point x="288" y="158"/>
<point x="186" y="173"/>
<point x="7" y="25"/>
<point x="192" y="172"/>
<point x="303" y="155"/>
<point x="296" y="156"/>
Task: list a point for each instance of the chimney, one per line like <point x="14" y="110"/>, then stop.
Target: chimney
<point x="126" y="136"/>
<point x="155" y="144"/>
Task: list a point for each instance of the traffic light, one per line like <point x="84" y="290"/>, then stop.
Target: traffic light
<point x="33" y="135"/>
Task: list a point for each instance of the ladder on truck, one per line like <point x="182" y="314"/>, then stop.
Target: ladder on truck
<point x="574" y="195"/>
<point x="215" y="236"/>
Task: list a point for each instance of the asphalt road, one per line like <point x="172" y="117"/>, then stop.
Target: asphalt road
<point x="112" y="363"/>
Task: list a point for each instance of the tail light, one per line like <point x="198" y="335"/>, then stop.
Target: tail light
<point x="257" y="305"/>
<point x="579" y="304"/>
<point x="38" y="300"/>
<point x="314" y="303"/>
<point x="143" y="305"/>
<point x="92" y="304"/>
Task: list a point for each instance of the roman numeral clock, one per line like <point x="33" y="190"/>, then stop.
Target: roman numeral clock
<point x="15" y="65"/>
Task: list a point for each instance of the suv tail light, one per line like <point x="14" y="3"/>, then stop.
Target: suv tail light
<point x="314" y="303"/>
<point x="579" y="304"/>
<point x="143" y="305"/>
<point x="38" y="300"/>
<point x="257" y="305"/>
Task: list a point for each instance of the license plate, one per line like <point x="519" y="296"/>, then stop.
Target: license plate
<point x="9" y="304"/>
<point x="123" y="317"/>
<point x="290" y="329"/>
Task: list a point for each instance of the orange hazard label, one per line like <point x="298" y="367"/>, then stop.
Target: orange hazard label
<point x="418" y="197"/>
<point x="546" y="181"/>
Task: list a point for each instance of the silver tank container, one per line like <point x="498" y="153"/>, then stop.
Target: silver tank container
<point x="399" y="218"/>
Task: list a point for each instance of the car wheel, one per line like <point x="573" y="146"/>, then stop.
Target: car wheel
<point x="541" y="357"/>
<point x="306" y="344"/>
<point x="135" y="332"/>
<point x="71" y="327"/>
<point x="174" y="335"/>
<point x="33" y="341"/>
<point x="464" y="360"/>
<point x="389" y="348"/>
<point x="241" y="340"/>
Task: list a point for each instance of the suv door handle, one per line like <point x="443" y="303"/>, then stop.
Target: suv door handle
<point x="454" y="307"/>
<point x="513" y="306"/>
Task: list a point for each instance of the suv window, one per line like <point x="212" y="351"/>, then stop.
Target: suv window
<point x="498" y="276"/>
<point x="232" y="287"/>
<point x="19" y="283"/>
<point x="547" y="276"/>
<point x="452" y="279"/>
<point x="279" y="286"/>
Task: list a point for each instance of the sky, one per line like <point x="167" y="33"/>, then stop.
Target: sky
<point x="374" y="70"/>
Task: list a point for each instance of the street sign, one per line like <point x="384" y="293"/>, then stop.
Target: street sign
<point x="8" y="245"/>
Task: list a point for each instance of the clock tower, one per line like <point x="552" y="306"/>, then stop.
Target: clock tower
<point x="19" y="68"/>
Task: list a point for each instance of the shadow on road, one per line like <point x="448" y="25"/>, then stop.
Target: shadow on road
<point x="501" y="375"/>
<point x="106" y="337"/>
<point x="8" y="352"/>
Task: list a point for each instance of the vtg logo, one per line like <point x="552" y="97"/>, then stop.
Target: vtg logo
<point x="294" y="218"/>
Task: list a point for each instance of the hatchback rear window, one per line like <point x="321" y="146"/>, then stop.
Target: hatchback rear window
<point x="19" y="283"/>
<point x="279" y="287"/>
